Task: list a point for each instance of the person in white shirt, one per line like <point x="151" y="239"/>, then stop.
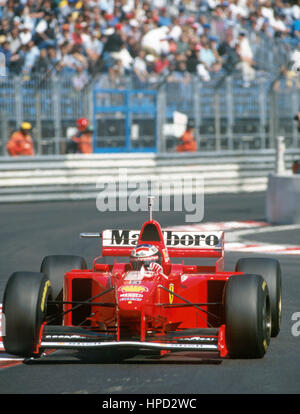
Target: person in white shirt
<point x="246" y="59"/>
<point x="124" y="56"/>
<point x="278" y="24"/>
<point x="156" y="39"/>
<point x="32" y="53"/>
<point x="140" y="66"/>
<point x="295" y="55"/>
<point x="25" y="34"/>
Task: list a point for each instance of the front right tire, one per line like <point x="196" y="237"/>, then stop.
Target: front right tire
<point x="24" y="308"/>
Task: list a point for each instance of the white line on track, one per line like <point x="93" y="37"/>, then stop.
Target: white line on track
<point x="6" y="360"/>
<point x="268" y="229"/>
<point x="222" y="226"/>
<point x="250" y="247"/>
<point x="234" y="230"/>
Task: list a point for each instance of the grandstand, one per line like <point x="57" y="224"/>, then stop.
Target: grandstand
<point x="129" y="65"/>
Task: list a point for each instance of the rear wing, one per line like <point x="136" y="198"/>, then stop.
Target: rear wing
<point x="178" y="243"/>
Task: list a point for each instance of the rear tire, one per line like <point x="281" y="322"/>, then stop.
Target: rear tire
<point x="55" y="267"/>
<point x="270" y="270"/>
<point x="248" y="316"/>
<point x="25" y="308"/>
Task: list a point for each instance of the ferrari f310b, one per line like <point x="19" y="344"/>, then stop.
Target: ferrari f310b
<point x="146" y="302"/>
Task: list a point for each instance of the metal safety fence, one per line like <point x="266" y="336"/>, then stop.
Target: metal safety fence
<point x="51" y="105"/>
<point x="228" y="115"/>
<point x="79" y="177"/>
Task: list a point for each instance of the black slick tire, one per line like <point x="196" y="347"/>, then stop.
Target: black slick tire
<point x="270" y="270"/>
<point x="55" y="267"/>
<point x="24" y="309"/>
<point x="248" y="316"/>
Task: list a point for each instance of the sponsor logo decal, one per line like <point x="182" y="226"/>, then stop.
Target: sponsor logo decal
<point x="131" y="296"/>
<point x="46" y="287"/>
<point x="172" y="238"/>
<point x="171" y="288"/>
<point x="133" y="289"/>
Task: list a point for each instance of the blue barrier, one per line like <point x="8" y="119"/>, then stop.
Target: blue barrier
<point x="120" y="118"/>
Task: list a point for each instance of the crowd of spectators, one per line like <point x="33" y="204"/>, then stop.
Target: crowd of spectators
<point x="149" y="39"/>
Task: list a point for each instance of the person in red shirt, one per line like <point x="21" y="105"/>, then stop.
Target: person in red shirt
<point x="161" y="64"/>
<point x="83" y="141"/>
<point x="77" y="34"/>
<point x="72" y="144"/>
<point x="187" y="141"/>
<point x="20" y="142"/>
<point x="85" y="144"/>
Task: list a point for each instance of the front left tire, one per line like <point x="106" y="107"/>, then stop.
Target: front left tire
<point x="270" y="270"/>
<point x="248" y="316"/>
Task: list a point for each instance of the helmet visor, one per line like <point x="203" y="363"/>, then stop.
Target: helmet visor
<point x="137" y="264"/>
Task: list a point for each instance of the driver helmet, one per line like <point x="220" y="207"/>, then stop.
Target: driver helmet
<point x="82" y="123"/>
<point x="144" y="255"/>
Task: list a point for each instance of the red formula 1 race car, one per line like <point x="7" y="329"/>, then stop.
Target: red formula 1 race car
<point x="146" y="302"/>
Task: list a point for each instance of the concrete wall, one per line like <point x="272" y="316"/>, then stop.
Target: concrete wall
<point x="69" y="177"/>
<point x="283" y="199"/>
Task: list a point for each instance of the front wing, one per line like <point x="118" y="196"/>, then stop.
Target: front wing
<point x="63" y="337"/>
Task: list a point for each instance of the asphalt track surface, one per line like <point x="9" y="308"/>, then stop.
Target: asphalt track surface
<point x="31" y="231"/>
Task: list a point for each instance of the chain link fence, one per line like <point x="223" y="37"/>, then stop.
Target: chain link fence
<point x="51" y="105"/>
<point x="227" y="115"/>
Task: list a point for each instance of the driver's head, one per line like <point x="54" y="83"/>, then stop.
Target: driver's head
<point x="144" y="255"/>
